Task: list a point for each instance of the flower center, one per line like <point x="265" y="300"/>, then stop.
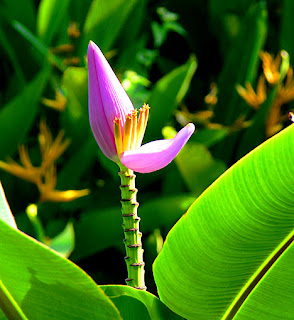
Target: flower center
<point x="130" y="135"/>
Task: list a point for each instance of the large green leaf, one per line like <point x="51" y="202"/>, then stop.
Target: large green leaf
<point x="232" y="252"/>
<point x="17" y="116"/>
<point x="133" y="304"/>
<point x="98" y="230"/>
<point x="37" y="283"/>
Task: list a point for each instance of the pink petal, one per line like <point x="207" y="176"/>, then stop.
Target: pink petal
<point x="157" y="154"/>
<point x="107" y="100"/>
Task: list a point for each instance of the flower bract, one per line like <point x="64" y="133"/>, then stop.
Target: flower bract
<point x="118" y="127"/>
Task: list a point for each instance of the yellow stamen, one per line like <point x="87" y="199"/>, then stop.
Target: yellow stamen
<point x="140" y="128"/>
<point x="118" y="136"/>
<point x="142" y="123"/>
<point x="134" y="130"/>
<point x="130" y="136"/>
<point x="127" y="133"/>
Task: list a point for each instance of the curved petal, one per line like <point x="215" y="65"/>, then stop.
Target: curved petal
<point x="107" y="100"/>
<point x="156" y="154"/>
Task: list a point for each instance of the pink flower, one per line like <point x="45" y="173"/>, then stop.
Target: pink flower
<point x="119" y="128"/>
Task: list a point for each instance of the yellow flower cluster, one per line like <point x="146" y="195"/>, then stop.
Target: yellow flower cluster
<point x="273" y="74"/>
<point x="44" y="176"/>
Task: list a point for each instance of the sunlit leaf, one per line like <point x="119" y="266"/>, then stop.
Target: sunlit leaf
<point x="231" y="254"/>
<point x="41" y="284"/>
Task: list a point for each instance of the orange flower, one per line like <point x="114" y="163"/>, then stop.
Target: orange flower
<point x="248" y="94"/>
<point x="44" y="176"/>
<point x="271" y="67"/>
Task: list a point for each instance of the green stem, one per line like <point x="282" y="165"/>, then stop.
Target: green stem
<point x="132" y="241"/>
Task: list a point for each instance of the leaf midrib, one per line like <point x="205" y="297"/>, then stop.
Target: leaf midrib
<point x="257" y="277"/>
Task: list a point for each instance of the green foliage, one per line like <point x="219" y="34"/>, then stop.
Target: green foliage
<point x="31" y="271"/>
<point x="5" y="213"/>
<point x="225" y="255"/>
<point x="238" y="223"/>
<point x="106" y="224"/>
<point x="101" y="15"/>
<point x="17" y="117"/>
<point x="168" y="92"/>
<point x="131" y="303"/>
<point x="50" y="15"/>
<point x="252" y="32"/>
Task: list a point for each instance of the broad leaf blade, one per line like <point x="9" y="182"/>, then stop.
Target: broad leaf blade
<point x="9" y="306"/>
<point x="220" y="247"/>
<point x="46" y="286"/>
<point x="134" y="304"/>
<point x="5" y="213"/>
<point x="275" y="287"/>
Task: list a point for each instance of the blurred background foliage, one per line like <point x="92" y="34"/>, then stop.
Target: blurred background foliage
<point x="60" y="187"/>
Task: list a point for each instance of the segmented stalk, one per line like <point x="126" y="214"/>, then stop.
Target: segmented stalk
<point x="132" y="240"/>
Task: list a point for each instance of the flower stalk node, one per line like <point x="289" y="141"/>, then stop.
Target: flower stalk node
<point x="130" y="225"/>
